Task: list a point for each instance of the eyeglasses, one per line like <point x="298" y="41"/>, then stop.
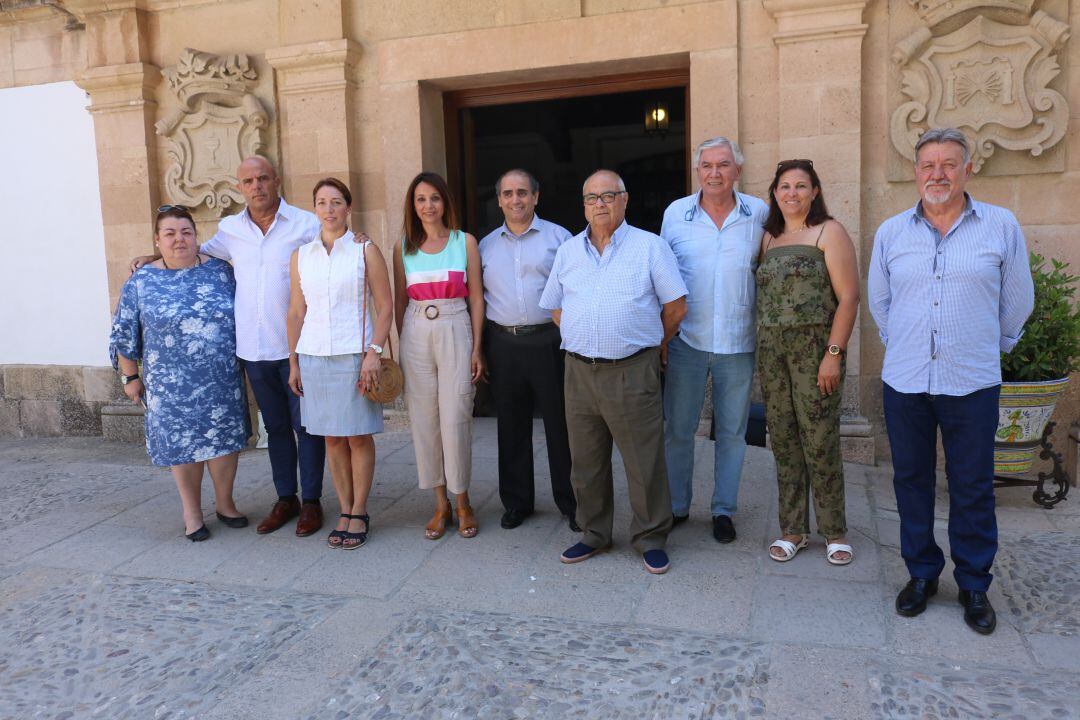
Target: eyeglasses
<point x="167" y="208"/>
<point x="607" y="197"/>
<point x="782" y="163"/>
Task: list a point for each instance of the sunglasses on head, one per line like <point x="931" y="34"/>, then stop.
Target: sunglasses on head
<point x="782" y="163"/>
<point x="167" y="208"/>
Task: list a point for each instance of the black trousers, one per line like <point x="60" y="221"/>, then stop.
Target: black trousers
<point x="526" y="374"/>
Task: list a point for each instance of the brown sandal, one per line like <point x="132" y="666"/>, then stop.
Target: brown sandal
<point x="467" y="527"/>
<point x="436" y="527"/>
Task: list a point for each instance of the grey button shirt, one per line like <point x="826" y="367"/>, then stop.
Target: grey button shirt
<point x="516" y="269"/>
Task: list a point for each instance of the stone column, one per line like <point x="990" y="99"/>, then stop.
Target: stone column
<point x="820" y="117"/>
<point x="121" y="87"/>
<point x="316" y="94"/>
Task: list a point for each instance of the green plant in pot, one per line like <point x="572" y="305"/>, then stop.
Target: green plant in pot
<point x="1038" y="368"/>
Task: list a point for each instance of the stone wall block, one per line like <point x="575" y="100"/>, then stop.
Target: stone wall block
<point x="800" y="113"/>
<point x="101" y="384"/>
<point x="10" y="427"/>
<point x="43" y="382"/>
<point x="714" y="86"/>
<point x="41" y="418"/>
<point x="840" y="109"/>
<point x="80" y="418"/>
<point x="7" y="58"/>
<point x="1035" y="205"/>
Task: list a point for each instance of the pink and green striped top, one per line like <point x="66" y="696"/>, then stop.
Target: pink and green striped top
<point x="438" y="276"/>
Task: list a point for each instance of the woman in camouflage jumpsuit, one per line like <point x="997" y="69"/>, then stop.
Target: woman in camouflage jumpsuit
<point x="808" y="294"/>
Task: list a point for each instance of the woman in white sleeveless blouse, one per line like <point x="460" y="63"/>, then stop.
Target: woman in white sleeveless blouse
<point x="335" y="346"/>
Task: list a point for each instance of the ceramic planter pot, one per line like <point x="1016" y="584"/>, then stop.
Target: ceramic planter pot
<point x="1023" y="411"/>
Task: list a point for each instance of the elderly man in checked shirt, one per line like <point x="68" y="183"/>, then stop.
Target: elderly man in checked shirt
<point x="950" y="289"/>
<point x="617" y="295"/>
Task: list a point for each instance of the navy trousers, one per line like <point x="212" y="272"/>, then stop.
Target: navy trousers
<point x="968" y="424"/>
<point x="286" y="436"/>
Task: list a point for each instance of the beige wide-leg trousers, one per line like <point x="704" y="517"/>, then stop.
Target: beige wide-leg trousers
<point x="436" y="353"/>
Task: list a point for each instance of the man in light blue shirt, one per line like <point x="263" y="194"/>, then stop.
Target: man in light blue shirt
<point x="522" y="348"/>
<point x="616" y="293"/>
<point x="715" y="235"/>
<point x="950" y="289"/>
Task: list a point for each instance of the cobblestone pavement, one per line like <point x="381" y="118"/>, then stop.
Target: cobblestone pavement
<point x="106" y="611"/>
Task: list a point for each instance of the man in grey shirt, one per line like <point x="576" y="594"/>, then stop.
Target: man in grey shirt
<point x="522" y="347"/>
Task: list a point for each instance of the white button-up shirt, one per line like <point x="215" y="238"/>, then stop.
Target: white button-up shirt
<point x="947" y="307"/>
<point x="333" y="284"/>
<point x="516" y="269"/>
<point x="717" y="264"/>
<point x="261" y="266"/>
<point x="611" y="303"/>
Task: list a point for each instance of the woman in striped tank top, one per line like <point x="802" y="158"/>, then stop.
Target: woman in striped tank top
<point x="439" y="307"/>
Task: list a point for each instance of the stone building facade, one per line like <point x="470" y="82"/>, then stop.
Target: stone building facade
<point x="178" y="89"/>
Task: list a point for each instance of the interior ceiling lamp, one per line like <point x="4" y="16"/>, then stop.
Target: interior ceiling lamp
<point x="657" y="118"/>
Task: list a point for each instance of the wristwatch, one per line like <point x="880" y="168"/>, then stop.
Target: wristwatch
<point x="376" y="348"/>
<point x="835" y="350"/>
<point x="125" y="379"/>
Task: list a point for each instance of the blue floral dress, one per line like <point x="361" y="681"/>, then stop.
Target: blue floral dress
<point x="180" y="324"/>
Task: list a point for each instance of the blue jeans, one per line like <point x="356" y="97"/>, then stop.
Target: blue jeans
<point x="286" y="437"/>
<point x="684" y="394"/>
<point x="968" y="424"/>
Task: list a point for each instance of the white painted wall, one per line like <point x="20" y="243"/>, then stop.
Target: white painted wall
<point x="54" y="295"/>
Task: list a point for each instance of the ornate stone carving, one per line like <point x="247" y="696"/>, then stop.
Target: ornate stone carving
<point x="219" y="124"/>
<point x="989" y="79"/>
<point x="934" y="11"/>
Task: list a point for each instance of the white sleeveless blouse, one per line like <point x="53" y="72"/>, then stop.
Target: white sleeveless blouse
<point x="333" y="285"/>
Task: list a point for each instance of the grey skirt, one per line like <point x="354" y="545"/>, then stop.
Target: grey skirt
<point x="332" y="404"/>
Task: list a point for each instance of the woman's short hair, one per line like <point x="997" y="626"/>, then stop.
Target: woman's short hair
<point x="412" y="226"/>
<point x="336" y="184"/>
<point x="774" y="223"/>
<point x="172" y="211"/>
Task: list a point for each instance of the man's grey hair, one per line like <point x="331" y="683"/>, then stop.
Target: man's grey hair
<point x="719" y="141"/>
<point x="943" y="135"/>
<point x="618" y="178"/>
<point x="534" y="184"/>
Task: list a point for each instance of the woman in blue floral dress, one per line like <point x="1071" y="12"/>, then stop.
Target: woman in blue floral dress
<point x="176" y="316"/>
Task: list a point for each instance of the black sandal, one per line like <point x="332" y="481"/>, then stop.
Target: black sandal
<point x="338" y="535"/>
<point x="358" y="538"/>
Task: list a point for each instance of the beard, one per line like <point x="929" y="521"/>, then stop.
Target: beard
<point x="937" y="194"/>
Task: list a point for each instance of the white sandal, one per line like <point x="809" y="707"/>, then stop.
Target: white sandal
<point x="832" y="548"/>
<point x="787" y="547"/>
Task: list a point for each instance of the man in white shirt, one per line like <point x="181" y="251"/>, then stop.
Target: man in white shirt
<point x="259" y="243"/>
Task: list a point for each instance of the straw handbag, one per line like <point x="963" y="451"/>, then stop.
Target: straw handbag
<point x="391" y="379"/>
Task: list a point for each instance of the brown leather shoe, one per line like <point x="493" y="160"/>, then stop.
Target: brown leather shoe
<point x="282" y="512"/>
<point x="310" y="521"/>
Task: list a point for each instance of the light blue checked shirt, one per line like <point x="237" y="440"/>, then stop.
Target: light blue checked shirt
<point x="946" y="307"/>
<point x="611" y="303"/>
<point x="717" y="264"/>
<point x="516" y="269"/>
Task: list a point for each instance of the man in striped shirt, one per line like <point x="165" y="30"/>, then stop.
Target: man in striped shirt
<point x="950" y="289"/>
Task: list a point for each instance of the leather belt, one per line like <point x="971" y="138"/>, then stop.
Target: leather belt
<point x="521" y="329"/>
<point x="607" y="361"/>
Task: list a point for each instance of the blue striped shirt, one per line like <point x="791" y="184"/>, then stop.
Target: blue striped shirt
<point x="611" y="303"/>
<point x="718" y="265"/>
<point x="946" y="307"/>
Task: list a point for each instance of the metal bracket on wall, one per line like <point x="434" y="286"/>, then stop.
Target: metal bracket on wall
<point x="1058" y="475"/>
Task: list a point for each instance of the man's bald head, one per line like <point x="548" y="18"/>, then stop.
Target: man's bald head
<point x="258" y="182"/>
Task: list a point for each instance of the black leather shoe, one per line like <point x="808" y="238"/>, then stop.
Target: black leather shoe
<point x="678" y="519"/>
<point x="723" y="530"/>
<point x="573" y="523"/>
<point x="512" y="518"/>
<point x="912" y="599"/>
<point x="978" y="613"/>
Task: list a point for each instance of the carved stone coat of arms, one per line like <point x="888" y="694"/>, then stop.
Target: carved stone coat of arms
<point x="219" y="124"/>
<point x="987" y="78"/>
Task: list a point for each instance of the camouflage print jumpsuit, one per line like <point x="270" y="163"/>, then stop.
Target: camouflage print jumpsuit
<point x="795" y="308"/>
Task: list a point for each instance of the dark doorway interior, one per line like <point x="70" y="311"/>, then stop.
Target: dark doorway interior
<point x="561" y="141"/>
